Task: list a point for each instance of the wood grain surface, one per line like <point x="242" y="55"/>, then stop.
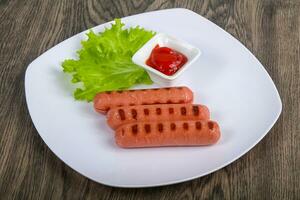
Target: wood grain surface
<point x="29" y="170"/>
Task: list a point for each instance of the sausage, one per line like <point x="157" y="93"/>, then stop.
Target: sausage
<point x="158" y="112"/>
<point x="174" y="95"/>
<point x="176" y="133"/>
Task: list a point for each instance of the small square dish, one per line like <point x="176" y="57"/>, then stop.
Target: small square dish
<point x="163" y="40"/>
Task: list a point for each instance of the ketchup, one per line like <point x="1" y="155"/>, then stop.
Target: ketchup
<point x="166" y="60"/>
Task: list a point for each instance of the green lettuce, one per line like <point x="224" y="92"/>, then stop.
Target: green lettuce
<point x="104" y="62"/>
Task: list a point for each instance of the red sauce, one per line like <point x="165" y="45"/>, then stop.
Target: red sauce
<point x="166" y="60"/>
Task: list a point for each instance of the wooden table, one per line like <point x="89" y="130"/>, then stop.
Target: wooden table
<point x="29" y="170"/>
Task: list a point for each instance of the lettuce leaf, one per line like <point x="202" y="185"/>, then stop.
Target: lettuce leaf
<point x="104" y="62"/>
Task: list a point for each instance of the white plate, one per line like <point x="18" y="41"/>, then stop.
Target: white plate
<point x="227" y="78"/>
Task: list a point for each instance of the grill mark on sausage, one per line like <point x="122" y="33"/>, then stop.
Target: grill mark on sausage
<point x="157" y="102"/>
<point x="155" y="89"/>
<point x="198" y="125"/>
<point x="108" y="92"/>
<point x="123" y="132"/>
<point x="173" y="126"/>
<point x="169" y="101"/>
<point x="210" y="125"/>
<point x="171" y="110"/>
<point x="131" y="104"/>
<point x="147" y="128"/>
<point x="134" y="129"/>
<point x="122" y="114"/>
<point x="181" y="101"/>
<point x="185" y="126"/>
<point x="196" y="110"/>
<point x="146" y="111"/>
<point x="183" y="110"/>
<point x="120" y="91"/>
<point x="160" y="127"/>
<point x="158" y="111"/>
<point x="134" y="113"/>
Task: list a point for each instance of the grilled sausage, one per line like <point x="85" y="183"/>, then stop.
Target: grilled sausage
<point x="174" y="95"/>
<point x="158" y="112"/>
<point x="177" y="133"/>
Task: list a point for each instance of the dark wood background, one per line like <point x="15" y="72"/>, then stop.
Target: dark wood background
<point x="29" y="170"/>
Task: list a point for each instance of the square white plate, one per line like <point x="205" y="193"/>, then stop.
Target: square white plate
<point x="227" y="78"/>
